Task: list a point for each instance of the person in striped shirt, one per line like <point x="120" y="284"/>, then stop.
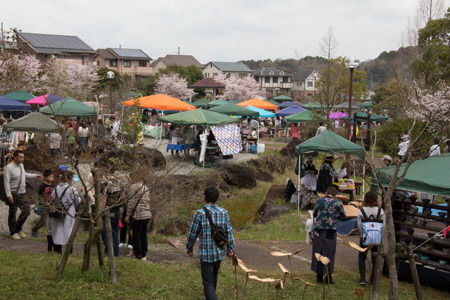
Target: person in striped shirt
<point x="209" y="253"/>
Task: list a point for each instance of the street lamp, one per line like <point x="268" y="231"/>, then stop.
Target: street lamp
<point x="350" y="63"/>
<point x="110" y="75"/>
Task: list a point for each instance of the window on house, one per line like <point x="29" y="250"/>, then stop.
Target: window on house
<point x="275" y="79"/>
<point x="228" y="75"/>
<point x="85" y="57"/>
<point x="310" y="84"/>
<point x="142" y="63"/>
<point x="215" y="74"/>
<point x="127" y="63"/>
<point x="285" y="79"/>
<point x="267" y="79"/>
<point x="113" y="63"/>
<point x="64" y="55"/>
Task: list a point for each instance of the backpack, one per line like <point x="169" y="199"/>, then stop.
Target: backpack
<point x="57" y="209"/>
<point x="218" y="234"/>
<point x="372" y="228"/>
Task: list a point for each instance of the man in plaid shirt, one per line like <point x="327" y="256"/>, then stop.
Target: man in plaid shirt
<point x="210" y="255"/>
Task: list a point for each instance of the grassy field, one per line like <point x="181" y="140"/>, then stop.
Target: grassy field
<point x="143" y="280"/>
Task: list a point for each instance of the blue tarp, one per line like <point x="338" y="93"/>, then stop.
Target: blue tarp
<point x="11" y="104"/>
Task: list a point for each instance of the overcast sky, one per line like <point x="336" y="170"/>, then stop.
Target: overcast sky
<point x="213" y="30"/>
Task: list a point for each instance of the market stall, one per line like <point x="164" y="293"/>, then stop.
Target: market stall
<point x="69" y="107"/>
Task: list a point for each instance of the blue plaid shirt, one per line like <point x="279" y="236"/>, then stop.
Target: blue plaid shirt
<point x="208" y="251"/>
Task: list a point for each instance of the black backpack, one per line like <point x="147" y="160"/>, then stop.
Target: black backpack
<point x="218" y="234"/>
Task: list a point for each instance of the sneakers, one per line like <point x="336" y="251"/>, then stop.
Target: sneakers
<point x="129" y="246"/>
<point x="144" y="258"/>
<point x="15" y="236"/>
<point x="22" y="234"/>
<point x="122" y="245"/>
<point x="34" y="234"/>
<point x="362" y="282"/>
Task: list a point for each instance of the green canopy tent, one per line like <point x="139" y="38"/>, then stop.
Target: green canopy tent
<point x="363" y="116"/>
<point x="303" y="116"/>
<point x="200" y="117"/>
<point x="20" y="95"/>
<point x="35" y="122"/>
<point x="235" y="101"/>
<point x="328" y="142"/>
<point x="69" y="107"/>
<point x="367" y="104"/>
<point x="234" y="110"/>
<point x="430" y="175"/>
<point x="218" y="102"/>
<point x="344" y="105"/>
<point x="313" y="105"/>
<point x="201" y="103"/>
<point x="273" y="102"/>
<point x="282" y="98"/>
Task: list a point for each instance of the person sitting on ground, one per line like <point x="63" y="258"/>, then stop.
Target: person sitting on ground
<point x="370" y="207"/>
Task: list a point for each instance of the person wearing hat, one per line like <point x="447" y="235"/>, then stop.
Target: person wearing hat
<point x="326" y="174"/>
<point x="387" y="161"/>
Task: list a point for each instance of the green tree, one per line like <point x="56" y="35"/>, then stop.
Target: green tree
<point x="104" y="83"/>
<point x="391" y="98"/>
<point x="433" y="68"/>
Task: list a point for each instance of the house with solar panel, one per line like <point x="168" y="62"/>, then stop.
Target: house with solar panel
<point x="49" y="46"/>
<point x="231" y="69"/>
<point x="132" y="62"/>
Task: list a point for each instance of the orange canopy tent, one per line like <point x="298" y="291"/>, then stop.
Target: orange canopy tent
<point x="160" y="102"/>
<point x="256" y="102"/>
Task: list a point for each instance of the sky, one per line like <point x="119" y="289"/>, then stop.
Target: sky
<point x="213" y="30"/>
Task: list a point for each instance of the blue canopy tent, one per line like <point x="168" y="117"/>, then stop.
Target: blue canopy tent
<point x="262" y="112"/>
<point x="289" y="104"/>
<point x="290" y="110"/>
<point x="12" y="105"/>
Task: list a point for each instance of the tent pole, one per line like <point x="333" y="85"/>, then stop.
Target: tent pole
<point x="299" y="184"/>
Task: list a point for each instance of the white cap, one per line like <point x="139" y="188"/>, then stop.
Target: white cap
<point x="387" y="157"/>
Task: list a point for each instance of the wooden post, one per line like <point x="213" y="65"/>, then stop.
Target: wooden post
<point x="112" y="262"/>
<point x="414" y="274"/>
<point x="100" y="253"/>
<point x="87" y="250"/>
<point x="377" y="273"/>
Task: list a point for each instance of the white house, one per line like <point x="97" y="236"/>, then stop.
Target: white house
<point x="305" y="83"/>
<point x="232" y="69"/>
<point x="273" y="81"/>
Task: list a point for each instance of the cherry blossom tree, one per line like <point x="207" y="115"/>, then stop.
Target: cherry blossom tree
<point x="173" y="85"/>
<point x="19" y="72"/>
<point x="240" y="88"/>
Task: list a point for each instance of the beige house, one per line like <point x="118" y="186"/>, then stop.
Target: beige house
<point x="305" y="83"/>
<point x="49" y="46"/>
<point x="273" y="81"/>
<point x="232" y="69"/>
<point x="169" y="59"/>
<point x="132" y="62"/>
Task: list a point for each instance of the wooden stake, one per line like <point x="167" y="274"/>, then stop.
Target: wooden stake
<point x="414" y="274"/>
<point x="112" y="262"/>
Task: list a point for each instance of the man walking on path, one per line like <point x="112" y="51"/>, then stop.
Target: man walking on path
<point x="15" y="183"/>
<point x="209" y="253"/>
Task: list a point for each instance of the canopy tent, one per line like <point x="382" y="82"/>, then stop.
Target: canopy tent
<point x="44" y="99"/>
<point x="234" y="110"/>
<point x="363" y="116"/>
<point x="289" y="104"/>
<point x="256" y="102"/>
<point x="262" y="113"/>
<point x="160" y="102"/>
<point x="273" y="102"/>
<point x="345" y="105"/>
<point x="20" y="96"/>
<point x="218" y="102"/>
<point x="201" y="103"/>
<point x="329" y="142"/>
<point x="290" y="110"/>
<point x="235" y="101"/>
<point x="10" y="104"/>
<point x="199" y="117"/>
<point x="69" y="107"/>
<point x="304" y="116"/>
<point x="367" y="104"/>
<point x="34" y="121"/>
<point x="337" y="115"/>
<point x="282" y="98"/>
<point x="313" y="105"/>
<point x="430" y="175"/>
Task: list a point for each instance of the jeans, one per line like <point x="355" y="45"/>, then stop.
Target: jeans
<point x="139" y="234"/>
<point x="209" y="278"/>
<point x="114" y="229"/>
<point x="14" y="224"/>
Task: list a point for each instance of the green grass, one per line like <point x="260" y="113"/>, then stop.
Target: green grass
<point x="31" y="276"/>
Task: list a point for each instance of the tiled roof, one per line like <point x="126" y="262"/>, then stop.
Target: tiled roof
<point x="207" y="82"/>
<point x="301" y="75"/>
<point x="182" y="60"/>
<point x="105" y="54"/>
<point x="269" y="72"/>
<point x="45" y="43"/>
<point x="231" y="66"/>
<point x="129" y="53"/>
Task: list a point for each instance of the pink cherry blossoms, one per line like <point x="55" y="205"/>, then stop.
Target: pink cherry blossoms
<point x="174" y="86"/>
<point x="431" y="106"/>
<point x="239" y="88"/>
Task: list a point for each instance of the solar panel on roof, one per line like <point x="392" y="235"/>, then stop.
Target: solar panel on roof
<point x="129" y="52"/>
<point x="55" y="41"/>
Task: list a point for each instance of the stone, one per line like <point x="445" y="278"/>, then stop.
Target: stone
<point x="289" y="150"/>
<point x="272" y="211"/>
<point x="239" y="176"/>
<point x="262" y="175"/>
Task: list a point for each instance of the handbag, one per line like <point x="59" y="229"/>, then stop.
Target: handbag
<point x="57" y="208"/>
<point x="217" y="233"/>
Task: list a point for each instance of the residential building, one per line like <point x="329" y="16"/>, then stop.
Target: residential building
<point x="232" y="69"/>
<point x="305" y="83"/>
<point x="169" y="59"/>
<point x="48" y="46"/>
<point x="273" y="81"/>
<point x="211" y="86"/>
<point x="132" y="62"/>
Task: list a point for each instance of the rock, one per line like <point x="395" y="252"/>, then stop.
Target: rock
<point x="239" y="176"/>
<point x="273" y="211"/>
<point x="151" y="157"/>
<point x="289" y="150"/>
<point x="276" y="192"/>
<point x="262" y="175"/>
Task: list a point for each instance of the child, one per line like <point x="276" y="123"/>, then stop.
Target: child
<point x="45" y="197"/>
